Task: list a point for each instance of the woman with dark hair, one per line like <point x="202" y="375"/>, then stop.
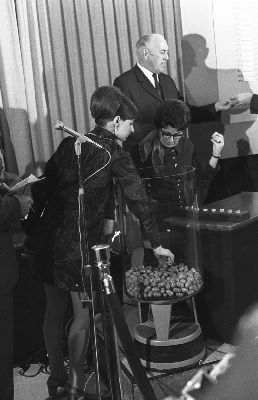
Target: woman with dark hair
<point x="57" y="242"/>
<point x="167" y="149"/>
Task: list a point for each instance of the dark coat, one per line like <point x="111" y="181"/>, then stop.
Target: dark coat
<point x="137" y="87"/>
<point x="58" y="256"/>
<point x="10" y="212"/>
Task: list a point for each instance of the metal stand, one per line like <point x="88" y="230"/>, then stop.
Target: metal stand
<point x="115" y="326"/>
<point x="105" y="286"/>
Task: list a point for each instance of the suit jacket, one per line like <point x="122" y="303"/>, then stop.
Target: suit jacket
<point x="10" y="211"/>
<point x="137" y="87"/>
<point x="254" y="104"/>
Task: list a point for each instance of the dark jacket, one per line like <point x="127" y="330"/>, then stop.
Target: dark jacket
<point x="137" y="87"/>
<point x="166" y="169"/>
<point x="254" y="104"/>
<point x="58" y="253"/>
<point x="10" y="212"/>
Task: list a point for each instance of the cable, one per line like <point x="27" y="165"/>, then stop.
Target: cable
<point x="24" y="367"/>
<point x="83" y="242"/>
<point x="67" y="326"/>
<point x="108" y="161"/>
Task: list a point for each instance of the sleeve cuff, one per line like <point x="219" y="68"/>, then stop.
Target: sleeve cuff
<point x="254" y="104"/>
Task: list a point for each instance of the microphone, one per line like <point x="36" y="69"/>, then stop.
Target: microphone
<point x="82" y="138"/>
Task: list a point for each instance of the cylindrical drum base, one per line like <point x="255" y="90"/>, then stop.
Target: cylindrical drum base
<point x="184" y="347"/>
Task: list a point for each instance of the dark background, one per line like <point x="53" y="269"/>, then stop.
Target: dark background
<point x="236" y="175"/>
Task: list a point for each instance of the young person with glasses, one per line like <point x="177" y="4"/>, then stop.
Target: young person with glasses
<point x="166" y="150"/>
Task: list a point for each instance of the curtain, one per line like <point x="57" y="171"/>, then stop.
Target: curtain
<point x="55" y="53"/>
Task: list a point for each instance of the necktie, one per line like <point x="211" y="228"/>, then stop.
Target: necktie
<point x="156" y="82"/>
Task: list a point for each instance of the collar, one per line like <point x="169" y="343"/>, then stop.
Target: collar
<point x="100" y="131"/>
<point x="147" y="144"/>
<point x="147" y="73"/>
<point x="152" y="144"/>
<point x="179" y="147"/>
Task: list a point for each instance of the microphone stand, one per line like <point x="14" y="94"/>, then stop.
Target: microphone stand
<point x="116" y="326"/>
<point x="87" y="272"/>
<point x="102" y="262"/>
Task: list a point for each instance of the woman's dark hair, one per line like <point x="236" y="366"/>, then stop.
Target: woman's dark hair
<point x="107" y="102"/>
<point x="174" y="113"/>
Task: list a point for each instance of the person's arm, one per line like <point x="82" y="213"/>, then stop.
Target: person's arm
<point x="224" y="104"/>
<point x="10" y="211"/>
<point x="109" y="221"/>
<point x="212" y="112"/>
<point x="245" y="101"/>
<point x="138" y="203"/>
<point x="41" y="192"/>
<point x="135" y="197"/>
<point x="204" y="175"/>
<point x="208" y="112"/>
<point x="40" y="197"/>
<point x="218" y="144"/>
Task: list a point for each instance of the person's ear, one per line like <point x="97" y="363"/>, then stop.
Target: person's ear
<point x="145" y="53"/>
<point x="116" y="121"/>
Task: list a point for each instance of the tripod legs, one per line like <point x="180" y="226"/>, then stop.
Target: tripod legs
<point x="116" y="324"/>
<point x="128" y="347"/>
<point x="112" y="360"/>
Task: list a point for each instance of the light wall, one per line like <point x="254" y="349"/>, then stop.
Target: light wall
<point x="201" y="80"/>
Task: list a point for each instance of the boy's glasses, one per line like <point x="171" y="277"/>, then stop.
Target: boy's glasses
<point x="167" y="134"/>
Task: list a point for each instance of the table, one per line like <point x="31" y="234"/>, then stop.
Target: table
<point x="228" y="254"/>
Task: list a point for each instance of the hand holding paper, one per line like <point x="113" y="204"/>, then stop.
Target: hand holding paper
<point x="242" y="100"/>
<point x="20" y="186"/>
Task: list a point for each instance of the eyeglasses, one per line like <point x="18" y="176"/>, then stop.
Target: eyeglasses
<point x="167" y="134"/>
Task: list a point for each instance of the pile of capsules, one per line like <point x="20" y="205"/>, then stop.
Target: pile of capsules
<point x="162" y="282"/>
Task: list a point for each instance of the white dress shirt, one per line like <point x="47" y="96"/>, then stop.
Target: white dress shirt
<point x="148" y="73"/>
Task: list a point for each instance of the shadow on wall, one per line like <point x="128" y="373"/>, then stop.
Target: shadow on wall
<point x="236" y="175"/>
<point x="201" y="85"/>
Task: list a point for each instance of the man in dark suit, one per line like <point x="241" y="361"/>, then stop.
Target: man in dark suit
<point x="11" y="210"/>
<point x="147" y="86"/>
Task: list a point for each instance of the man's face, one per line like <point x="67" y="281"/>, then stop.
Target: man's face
<point x="156" y="55"/>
